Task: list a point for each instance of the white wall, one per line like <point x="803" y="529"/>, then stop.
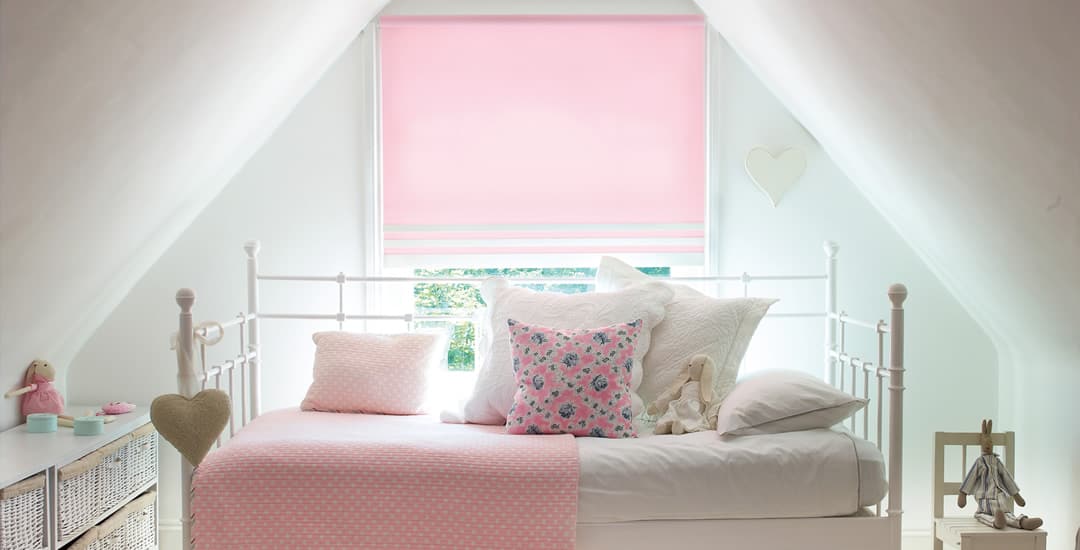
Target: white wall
<point x="119" y="122"/>
<point x="959" y="122"/>
<point x="300" y="196"/>
<point x="945" y="347"/>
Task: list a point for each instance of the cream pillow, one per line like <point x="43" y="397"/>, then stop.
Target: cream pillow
<point x="493" y="394"/>
<point x="779" y="401"/>
<point x="694" y="324"/>
<point x="373" y="373"/>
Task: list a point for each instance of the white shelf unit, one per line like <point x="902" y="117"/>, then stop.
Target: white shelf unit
<point x="24" y="454"/>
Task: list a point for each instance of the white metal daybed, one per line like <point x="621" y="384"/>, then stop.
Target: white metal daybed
<point x="873" y="525"/>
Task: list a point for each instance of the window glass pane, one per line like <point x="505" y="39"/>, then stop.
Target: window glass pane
<point x="461" y="300"/>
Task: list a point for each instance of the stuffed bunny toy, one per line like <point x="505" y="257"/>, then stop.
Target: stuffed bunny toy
<point x="683" y="405"/>
<point x="991" y="484"/>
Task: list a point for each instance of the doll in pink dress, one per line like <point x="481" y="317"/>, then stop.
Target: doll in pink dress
<point x="39" y="395"/>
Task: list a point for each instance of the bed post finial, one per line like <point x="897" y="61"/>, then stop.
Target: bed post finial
<point x="831" y="248"/>
<point x="252" y="248"/>
<point x="185" y="298"/>
<point x="897" y="294"/>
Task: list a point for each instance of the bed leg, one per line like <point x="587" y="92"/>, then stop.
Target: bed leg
<point x="186" y="471"/>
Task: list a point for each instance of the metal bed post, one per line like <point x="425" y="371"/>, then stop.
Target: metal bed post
<point x="252" y="249"/>
<point x="831" y="249"/>
<point x="897" y="295"/>
<point x="188" y="383"/>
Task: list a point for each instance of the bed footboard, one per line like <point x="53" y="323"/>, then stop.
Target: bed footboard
<point x="843" y="370"/>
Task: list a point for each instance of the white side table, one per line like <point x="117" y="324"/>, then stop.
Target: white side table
<point x="970" y="534"/>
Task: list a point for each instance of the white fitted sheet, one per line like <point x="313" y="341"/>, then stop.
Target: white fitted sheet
<point x="813" y="473"/>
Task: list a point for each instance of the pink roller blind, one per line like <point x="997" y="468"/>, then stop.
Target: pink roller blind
<point x="543" y="135"/>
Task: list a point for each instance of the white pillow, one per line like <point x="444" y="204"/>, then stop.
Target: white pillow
<point x="778" y="401"/>
<point x="694" y="324"/>
<point x="493" y="394"/>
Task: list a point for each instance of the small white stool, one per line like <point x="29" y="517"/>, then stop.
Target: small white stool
<point x="967" y="533"/>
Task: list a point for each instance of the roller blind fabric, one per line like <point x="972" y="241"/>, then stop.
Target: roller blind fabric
<point x="542" y="136"/>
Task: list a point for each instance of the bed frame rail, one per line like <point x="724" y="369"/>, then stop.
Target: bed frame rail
<point x="239" y="375"/>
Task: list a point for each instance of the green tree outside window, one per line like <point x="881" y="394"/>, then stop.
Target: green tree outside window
<point x="457" y="299"/>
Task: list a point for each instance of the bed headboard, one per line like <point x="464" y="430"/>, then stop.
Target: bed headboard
<point x="860" y="375"/>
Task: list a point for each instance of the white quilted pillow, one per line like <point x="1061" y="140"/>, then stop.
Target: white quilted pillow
<point x="373" y="373"/>
<point x="493" y="394"/>
<point x="694" y="324"/>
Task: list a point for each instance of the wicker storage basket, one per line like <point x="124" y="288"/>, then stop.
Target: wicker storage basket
<point x="86" y="541"/>
<point x="141" y="459"/>
<point x="110" y="533"/>
<point x="78" y="498"/>
<point x="140" y="527"/>
<point x="22" y="515"/>
<point x="112" y="476"/>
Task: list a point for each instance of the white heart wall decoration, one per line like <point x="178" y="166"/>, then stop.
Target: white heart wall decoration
<point x="775" y="175"/>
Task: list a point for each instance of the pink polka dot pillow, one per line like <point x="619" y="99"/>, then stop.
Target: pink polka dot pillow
<point x="573" y="381"/>
<point x="373" y="373"/>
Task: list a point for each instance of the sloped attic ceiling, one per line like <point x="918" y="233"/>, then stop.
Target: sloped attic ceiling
<point x="119" y="122"/>
<point x="959" y="121"/>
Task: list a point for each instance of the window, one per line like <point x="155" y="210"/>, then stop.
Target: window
<point x="519" y="145"/>
<point x="455" y="299"/>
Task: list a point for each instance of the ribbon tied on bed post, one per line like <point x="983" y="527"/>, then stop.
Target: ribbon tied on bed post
<point x="201" y="334"/>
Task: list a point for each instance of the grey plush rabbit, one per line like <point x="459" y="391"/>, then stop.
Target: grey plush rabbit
<point x="990" y="482"/>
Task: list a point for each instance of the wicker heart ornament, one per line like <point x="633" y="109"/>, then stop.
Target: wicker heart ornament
<point x="191" y="425"/>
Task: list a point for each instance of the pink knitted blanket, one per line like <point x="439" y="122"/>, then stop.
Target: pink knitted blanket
<point x="294" y="480"/>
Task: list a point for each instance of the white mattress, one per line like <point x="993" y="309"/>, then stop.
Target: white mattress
<point x="814" y="473"/>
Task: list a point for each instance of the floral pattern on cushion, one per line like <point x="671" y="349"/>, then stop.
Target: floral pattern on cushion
<point x="573" y="381"/>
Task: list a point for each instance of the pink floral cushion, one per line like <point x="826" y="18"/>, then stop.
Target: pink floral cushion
<point x="573" y="381"/>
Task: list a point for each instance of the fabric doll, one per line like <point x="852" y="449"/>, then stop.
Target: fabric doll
<point x="684" y="403"/>
<point x="38" y="394"/>
<point x="990" y="482"/>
